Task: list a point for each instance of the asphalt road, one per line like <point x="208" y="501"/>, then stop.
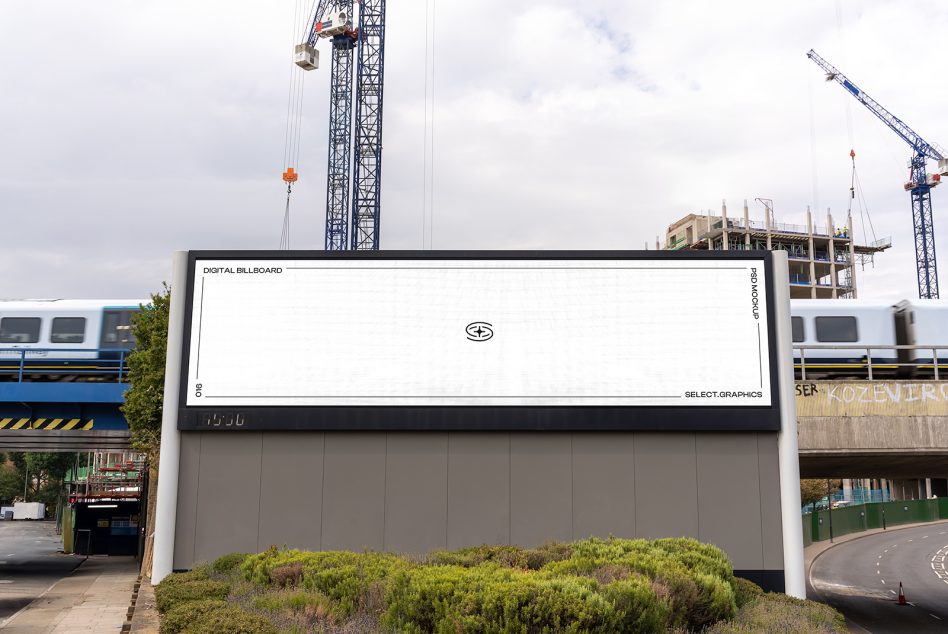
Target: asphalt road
<point x="29" y="563"/>
<point x="860" y="578"/>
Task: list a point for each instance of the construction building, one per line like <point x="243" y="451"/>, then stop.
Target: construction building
<point x="822" y="258"/>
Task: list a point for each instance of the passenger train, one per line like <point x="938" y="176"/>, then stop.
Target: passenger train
<point x="74" y="337"/>
<point x="92" y="334"/>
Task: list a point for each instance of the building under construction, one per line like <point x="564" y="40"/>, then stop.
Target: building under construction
<point x="822" y="258"/>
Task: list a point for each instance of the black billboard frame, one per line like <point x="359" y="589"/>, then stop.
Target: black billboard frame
<point x="513" y="418"/>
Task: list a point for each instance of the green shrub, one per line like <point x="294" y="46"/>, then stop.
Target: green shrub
<point x="311" y="603"/>
<point x="345" y="578"/>
<point x="773" y="612"/>
<point x="198" y="573"/>
<point x="492" y="598"/>
<point x="183" y="614"/>
<point x="745" y="591"/>
<point x="510" y="556"/>
<point x="228" y="563"/>
<point x="637" y="608"/>
<point x="168" y="596"/>
<point x="231" y="619"/>
<point x="691" y="578"/>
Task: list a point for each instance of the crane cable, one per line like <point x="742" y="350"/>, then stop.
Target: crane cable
<point x="856" y="194"/>
<point x="427" y="189"/>
<point x="294" y="114"/>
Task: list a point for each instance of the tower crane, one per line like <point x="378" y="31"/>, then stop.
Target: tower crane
<point x="352" y="219"/>
<point x="919" y="184"/>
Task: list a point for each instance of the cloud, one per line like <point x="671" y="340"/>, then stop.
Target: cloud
<point x="132" y="130"/>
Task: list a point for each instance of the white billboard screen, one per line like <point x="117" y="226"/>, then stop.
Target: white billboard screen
<point x="478" y="331"/>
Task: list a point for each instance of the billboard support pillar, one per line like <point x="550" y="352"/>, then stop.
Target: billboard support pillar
<point x="167" y="502"/>
<point x="788" y="455"/>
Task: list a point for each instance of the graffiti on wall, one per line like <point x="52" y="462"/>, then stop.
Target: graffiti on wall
<point x="872" y="398"/>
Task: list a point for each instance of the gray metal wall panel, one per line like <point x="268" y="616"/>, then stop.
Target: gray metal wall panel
<point x="229" y="495"/>
<point x="186" y="515"/>
<point x="770" y="521"/>
<point x="729" y="497"/>
<point x="478" y="489"/>
<point x="291" y="490"/>
<point x="416" y="492"/>
<point x="603" y="485"/>
<point x="541" y="497"/>
<point x="666" y="490"/>
<point x="354" y="491"/>
<point x="413" y="492"/>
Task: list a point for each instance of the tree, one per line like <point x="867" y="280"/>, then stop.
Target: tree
<point x="144" y="398"/>
<point x="42" y="475"/>
<point x="146" y="375"/>
<point x="816" y="489"/>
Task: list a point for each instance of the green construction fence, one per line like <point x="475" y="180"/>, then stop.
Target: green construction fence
<point x="862" y="517"/>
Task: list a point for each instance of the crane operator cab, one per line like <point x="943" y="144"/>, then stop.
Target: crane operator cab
<point x="337" y="23"/>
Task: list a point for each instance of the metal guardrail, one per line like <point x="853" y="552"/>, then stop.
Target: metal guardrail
<point x="867" y="363"/>
<point x="106" y="362"/>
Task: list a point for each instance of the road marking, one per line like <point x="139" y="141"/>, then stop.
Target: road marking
<point x="938" y="563"/>
<point x="892" y="591"/>
<point x="880" y="557"/>
<point x="877" y="572"/>
<point x="910" y="540"/>
<point x="883" y="581"/>
<point x="925" y="537"/>
<point x="933" y="616"/>
<point x="6" y="581"/>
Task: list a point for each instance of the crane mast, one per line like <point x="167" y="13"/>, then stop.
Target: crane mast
<point x="353" y="188"/>
<point x="920" y="182"/>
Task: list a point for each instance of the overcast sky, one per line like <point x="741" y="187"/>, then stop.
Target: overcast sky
<point x="129" y="130"/>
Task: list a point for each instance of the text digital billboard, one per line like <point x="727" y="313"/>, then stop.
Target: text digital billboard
<point x="479" y="340"/>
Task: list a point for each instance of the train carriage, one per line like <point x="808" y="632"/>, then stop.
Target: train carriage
<point x="62" y="338"/>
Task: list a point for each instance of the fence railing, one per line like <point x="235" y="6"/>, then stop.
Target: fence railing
<point x="20" y="364"/>
<point x="937" y="361"/>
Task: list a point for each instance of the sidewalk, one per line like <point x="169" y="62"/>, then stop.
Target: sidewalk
<point x="93" y="598"/>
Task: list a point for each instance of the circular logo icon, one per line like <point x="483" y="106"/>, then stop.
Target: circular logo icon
<point x="479" y="331"/>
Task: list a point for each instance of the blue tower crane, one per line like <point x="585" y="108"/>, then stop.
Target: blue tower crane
<point x="920" y="182"/>
<point x="333" y="19"/>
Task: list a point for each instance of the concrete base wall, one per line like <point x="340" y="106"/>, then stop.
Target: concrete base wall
<point x="416" y="492"/>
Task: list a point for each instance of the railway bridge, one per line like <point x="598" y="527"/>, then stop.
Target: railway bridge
<point x="62" y="405"/>
<point x="879" y="428"/>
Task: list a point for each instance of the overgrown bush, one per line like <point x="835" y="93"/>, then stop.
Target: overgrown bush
<point x="745" y="591"/>
<point x="231" y="619"/>
<point x="492" y="598"/>
<point x="169" y="595"/>
<point x="180" y="616"/>
<point x="228" y="563"/>
<point x="512" y="556"/>
<point x="773" y="612"/>
<point x="343" y="577"/>
<point x="593" y="585"/>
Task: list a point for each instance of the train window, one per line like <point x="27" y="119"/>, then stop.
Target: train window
<point x="836" y="329"/>
<point x="19" y="329"/>
<point x="796" y="326"/>
<point x="68" y="330"/>
<point x="117" y="329"/>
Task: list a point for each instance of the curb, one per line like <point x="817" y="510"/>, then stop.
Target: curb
<point x="127" y="626"/>
<point x="863" y="534"/>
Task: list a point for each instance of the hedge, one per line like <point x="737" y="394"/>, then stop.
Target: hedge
<point x="593" y="585"/>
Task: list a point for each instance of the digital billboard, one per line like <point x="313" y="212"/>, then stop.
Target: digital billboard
<point x="479" y="340"/>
